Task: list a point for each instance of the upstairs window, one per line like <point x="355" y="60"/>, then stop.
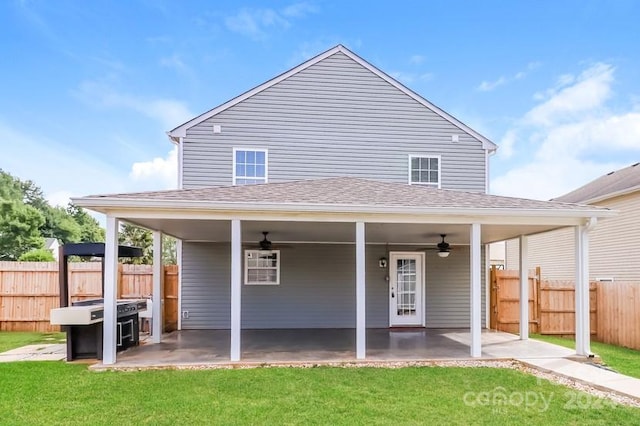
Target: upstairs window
<point x="249" y="166"/>
<point x="424" y="170"/>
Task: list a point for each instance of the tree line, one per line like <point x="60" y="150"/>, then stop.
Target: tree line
<point x="27" y="219"/>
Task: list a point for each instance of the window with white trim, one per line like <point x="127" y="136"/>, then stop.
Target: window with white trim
<point x="249" y="166"/>
<point x="424" y="170"/>
<point x="262" y="267"/>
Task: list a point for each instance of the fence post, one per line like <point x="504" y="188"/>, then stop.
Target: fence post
<point x="119" y="281"/>
<point x="537" y="282"/>
<point x="493" y="298"/>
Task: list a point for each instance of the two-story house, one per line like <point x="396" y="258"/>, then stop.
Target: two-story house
<point x="331" y="197"/>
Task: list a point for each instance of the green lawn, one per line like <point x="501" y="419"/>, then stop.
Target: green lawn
<point x="15" y="339"/>
<point x="622" y="360"/>
<point x="59" y="393"/>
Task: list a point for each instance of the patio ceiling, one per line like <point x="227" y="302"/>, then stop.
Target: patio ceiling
<point x="332" y="232"/>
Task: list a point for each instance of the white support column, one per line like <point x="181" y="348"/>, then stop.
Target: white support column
<point x="361" y="325"/>
<point x="524" y="287"/>
<point x="179" y="261"/>
<point x="583" y="337"/>
<point x="236" y="288"/>
<point x="158" y="288"/>
<point x="109" y="322"/>
<point x="476" y="290"/>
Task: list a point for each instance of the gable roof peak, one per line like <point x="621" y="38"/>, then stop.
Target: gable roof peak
<point x="180" y="131"/>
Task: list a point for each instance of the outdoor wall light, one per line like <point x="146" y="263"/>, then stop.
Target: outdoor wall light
<point x="382" y="262"/>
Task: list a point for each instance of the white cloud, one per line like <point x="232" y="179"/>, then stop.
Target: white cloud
<point x="417" y="59"/>
<point x="169" y="112"/>
<point x="411" y="77"/>
<point x="299" y="10"/>
<point x="587" y="92"/>
<point x="543" y="180"/>
<point x="507" y="143"/>
<point x="487" y="86"/>
<point x="255" y="22"/>
<point x="174" y="61"/>
<point x="59" y="198"/>
<point x="569" y="139"/>
<point x="158" y="173"/>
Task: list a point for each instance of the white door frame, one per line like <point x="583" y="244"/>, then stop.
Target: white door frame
<point x="421" y="286"/>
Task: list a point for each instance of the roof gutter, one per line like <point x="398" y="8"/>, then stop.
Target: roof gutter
<point x="104" y="204"/>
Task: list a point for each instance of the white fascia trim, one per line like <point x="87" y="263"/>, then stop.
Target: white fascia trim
<point x="106" y="204"/>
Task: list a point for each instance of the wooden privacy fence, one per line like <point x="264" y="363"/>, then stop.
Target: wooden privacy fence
<point x="29" y="290"/>
<point x="614" y="312"/>
<point x="619" y="313"/>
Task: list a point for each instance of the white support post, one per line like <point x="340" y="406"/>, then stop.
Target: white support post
<point x="157" y="319"/>
<point x="583" y="338"/>
<point x="476" y="290"/>
<point x="179" y="262"/>
<point x="236" y="288"/>
<point x="524" y="287"/>
<point x="361" y="325"/>
<point x="109" y="322"/>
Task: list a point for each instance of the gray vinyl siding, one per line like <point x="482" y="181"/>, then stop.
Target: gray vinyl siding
<point x="335" y="118"/>
<point x="317" y="289"/>
<point x="206" y="289"/>
<point x="614" y="252"/>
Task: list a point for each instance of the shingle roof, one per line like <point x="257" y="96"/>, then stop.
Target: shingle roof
<point x="612" y="183"/>
<point x="343" y="191"/>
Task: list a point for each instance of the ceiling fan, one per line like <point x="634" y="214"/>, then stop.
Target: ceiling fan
<point x="443" y="247"/>
<point x="266" y="244"/>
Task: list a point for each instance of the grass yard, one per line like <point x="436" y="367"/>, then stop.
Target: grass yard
<point x="58" y="393"/>
<point x="15" y="339"/>
<point x="622" y="360"/>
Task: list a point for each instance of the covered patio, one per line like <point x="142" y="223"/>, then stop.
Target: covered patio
<point x="364" y="220"/>
<point x="322" y="346"/>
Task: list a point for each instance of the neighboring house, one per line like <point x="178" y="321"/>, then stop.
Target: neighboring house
<point x="355" y="178"/>
<point x="52" y="245"/>
<point x="614" y="252"/>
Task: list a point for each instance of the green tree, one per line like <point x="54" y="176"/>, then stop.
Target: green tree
<point x="135" y="236"/>
<point x="37" y="255"/>
<point x="169" y="250"/>
<point x="25" y="207"/>
<point x="132" y="235"/>
<point x="90" y="229"/>
<point x="59" y="224"/>
<point x="19" y="229"/>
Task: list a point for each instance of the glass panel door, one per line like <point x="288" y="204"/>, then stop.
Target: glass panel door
<point x="405" y="289"/>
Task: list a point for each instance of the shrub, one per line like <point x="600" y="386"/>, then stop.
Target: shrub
<point x="37" y="255"/>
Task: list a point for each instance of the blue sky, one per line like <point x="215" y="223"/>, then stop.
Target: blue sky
<point x="89" y="88"/>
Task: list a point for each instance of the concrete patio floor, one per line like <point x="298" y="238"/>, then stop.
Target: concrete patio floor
<point x="198" y="347"/>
